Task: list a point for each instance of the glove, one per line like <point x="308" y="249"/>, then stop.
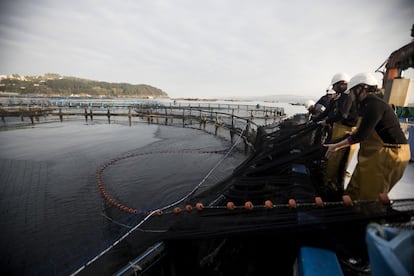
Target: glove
<point x="310" y="123"/>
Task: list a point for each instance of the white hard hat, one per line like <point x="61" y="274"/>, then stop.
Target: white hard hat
<point x="362" y="78"/>
<point x="309" y="103"/>
<point x="331" y="92"/>
<point x="339" y="77"/>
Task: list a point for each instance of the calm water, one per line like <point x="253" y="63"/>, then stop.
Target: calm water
<point x="50" y="205"/>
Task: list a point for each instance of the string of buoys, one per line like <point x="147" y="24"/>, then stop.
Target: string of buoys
<point x="248" y="205"/>
<point x="268" y="204"/>
<point x="122" y="207"/>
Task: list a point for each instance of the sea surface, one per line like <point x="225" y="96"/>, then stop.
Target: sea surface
<point x="51" y="209"/>
<point x="52" y="214"/>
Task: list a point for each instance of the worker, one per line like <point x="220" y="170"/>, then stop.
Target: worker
<point x="310" y="107"/>
<point x="384" y="151"/>
<point x="321" y="105"/>
<point x="339" y="119"/>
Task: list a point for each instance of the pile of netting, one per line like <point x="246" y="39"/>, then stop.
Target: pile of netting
<point x="278" y="187"/>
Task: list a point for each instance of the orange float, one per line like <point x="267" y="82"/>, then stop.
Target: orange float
<point x="268" y="204"/>
<point x="318" y="201"/>
<point x="248" y="205"/>
<point x="384" y="199"/>
<point x="292" y="203"/>
<point x="188" y="208"/>
<point x="177" y="210"/>
<point x="346" y="199"/>
<point x="230" y="205"/>
<point x="199" y="206"/>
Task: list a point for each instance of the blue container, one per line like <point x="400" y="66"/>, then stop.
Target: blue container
<point x="315" y="261"/>
<point x="410" y="130"/>
<point x="390" y="250"/>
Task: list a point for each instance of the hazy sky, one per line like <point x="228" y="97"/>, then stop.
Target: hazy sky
<point x="190" y="48"/>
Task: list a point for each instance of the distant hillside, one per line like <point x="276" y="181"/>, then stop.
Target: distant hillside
<point x="55" y="85"/>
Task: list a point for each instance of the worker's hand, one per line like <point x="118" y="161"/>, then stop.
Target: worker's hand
<point x="331" y="149"/>
<point x="310" y="123"/>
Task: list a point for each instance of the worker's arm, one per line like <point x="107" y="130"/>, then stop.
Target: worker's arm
<point x="337" y="146"/>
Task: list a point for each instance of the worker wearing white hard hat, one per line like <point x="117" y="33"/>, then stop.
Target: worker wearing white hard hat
<point x="362" y="79"/>
<point x="341" y="117"/>
<point x="339" y="77"/>
<point x="310" y="107"/>
<point x="338" y="85"/>
<point x="384" y="151"/>
<point x="322" y="104"/>
<point x="309" y="104"/>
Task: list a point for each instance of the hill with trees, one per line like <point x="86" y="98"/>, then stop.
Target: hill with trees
<point x="52" y="84"/>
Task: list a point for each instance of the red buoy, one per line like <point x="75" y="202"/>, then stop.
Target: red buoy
<point x="248" y="205"/>
<point x="188" y="208"/>
<point x="177" y="210"/>
<point x="268" y="204"/>
<point x="230" y="205"/>
<point x="318" y="201"/>
<point x="199" y="206"/>
<point x="292" y="203"/>
<point x="346" y="199"/>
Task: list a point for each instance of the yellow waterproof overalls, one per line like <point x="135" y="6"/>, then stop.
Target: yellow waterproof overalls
<point x="380" y="166"/>
<point x="338" y="162"/>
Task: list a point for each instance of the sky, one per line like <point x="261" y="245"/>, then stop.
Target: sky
<point x="204" y="49"/>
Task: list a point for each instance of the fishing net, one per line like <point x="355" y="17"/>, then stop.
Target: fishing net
<point x="278" y="187"/>
<point x="271" y="206"/>
<point x="274" y="201"/>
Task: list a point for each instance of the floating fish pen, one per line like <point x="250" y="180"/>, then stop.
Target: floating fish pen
<point x="152" y="112"/>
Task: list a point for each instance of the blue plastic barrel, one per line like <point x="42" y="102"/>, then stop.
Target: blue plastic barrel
<point x="390" y="250"/>
<point x="410" y="130"/>
<point x="314" y="261"/>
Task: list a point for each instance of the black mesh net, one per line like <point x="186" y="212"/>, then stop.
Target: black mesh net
<point x="288" y="164"/>
<point x="255" y="220"/>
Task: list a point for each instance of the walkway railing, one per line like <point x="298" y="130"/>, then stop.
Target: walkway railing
<point x="218" y="119"/>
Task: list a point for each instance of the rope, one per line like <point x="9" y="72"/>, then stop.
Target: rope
<point x="115" y="243"/>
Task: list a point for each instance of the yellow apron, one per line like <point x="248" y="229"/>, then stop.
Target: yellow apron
<point x="338" y="162"/>
<point x="380" y="166"/>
